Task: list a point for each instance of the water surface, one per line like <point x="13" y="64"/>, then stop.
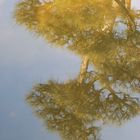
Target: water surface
<point x="29" y="57"/>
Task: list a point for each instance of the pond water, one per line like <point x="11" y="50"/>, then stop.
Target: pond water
<point x="69" y="70"/>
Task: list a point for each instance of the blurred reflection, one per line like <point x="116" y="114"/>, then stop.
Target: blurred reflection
<point x="105" y="34"/>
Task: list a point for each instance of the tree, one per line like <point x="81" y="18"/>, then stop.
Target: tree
<point x="101" y="96"/>
<point x="89" y="28"/>
<point x="73" y="108"/>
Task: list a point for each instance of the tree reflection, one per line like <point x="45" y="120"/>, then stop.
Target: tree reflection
<point x="70" y="123"/>
<point x="73" y="108"/>
<point x="79" y="25"/>
<point x="106" y="36"/>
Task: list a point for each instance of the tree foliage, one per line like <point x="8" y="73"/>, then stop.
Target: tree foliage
<point x="106" y="35"/>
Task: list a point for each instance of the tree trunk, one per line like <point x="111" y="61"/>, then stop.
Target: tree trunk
<point x="126" y="11"/>
<point x="128" y="4"/>
<point x="83" y="68"/>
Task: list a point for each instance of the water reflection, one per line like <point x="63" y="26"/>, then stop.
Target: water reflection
<point x="105" y="34"/>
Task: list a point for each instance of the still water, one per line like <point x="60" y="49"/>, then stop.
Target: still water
<point x="69" y="70"/>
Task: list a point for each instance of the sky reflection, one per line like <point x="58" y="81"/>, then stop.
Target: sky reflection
<point x="26" y="60"/>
